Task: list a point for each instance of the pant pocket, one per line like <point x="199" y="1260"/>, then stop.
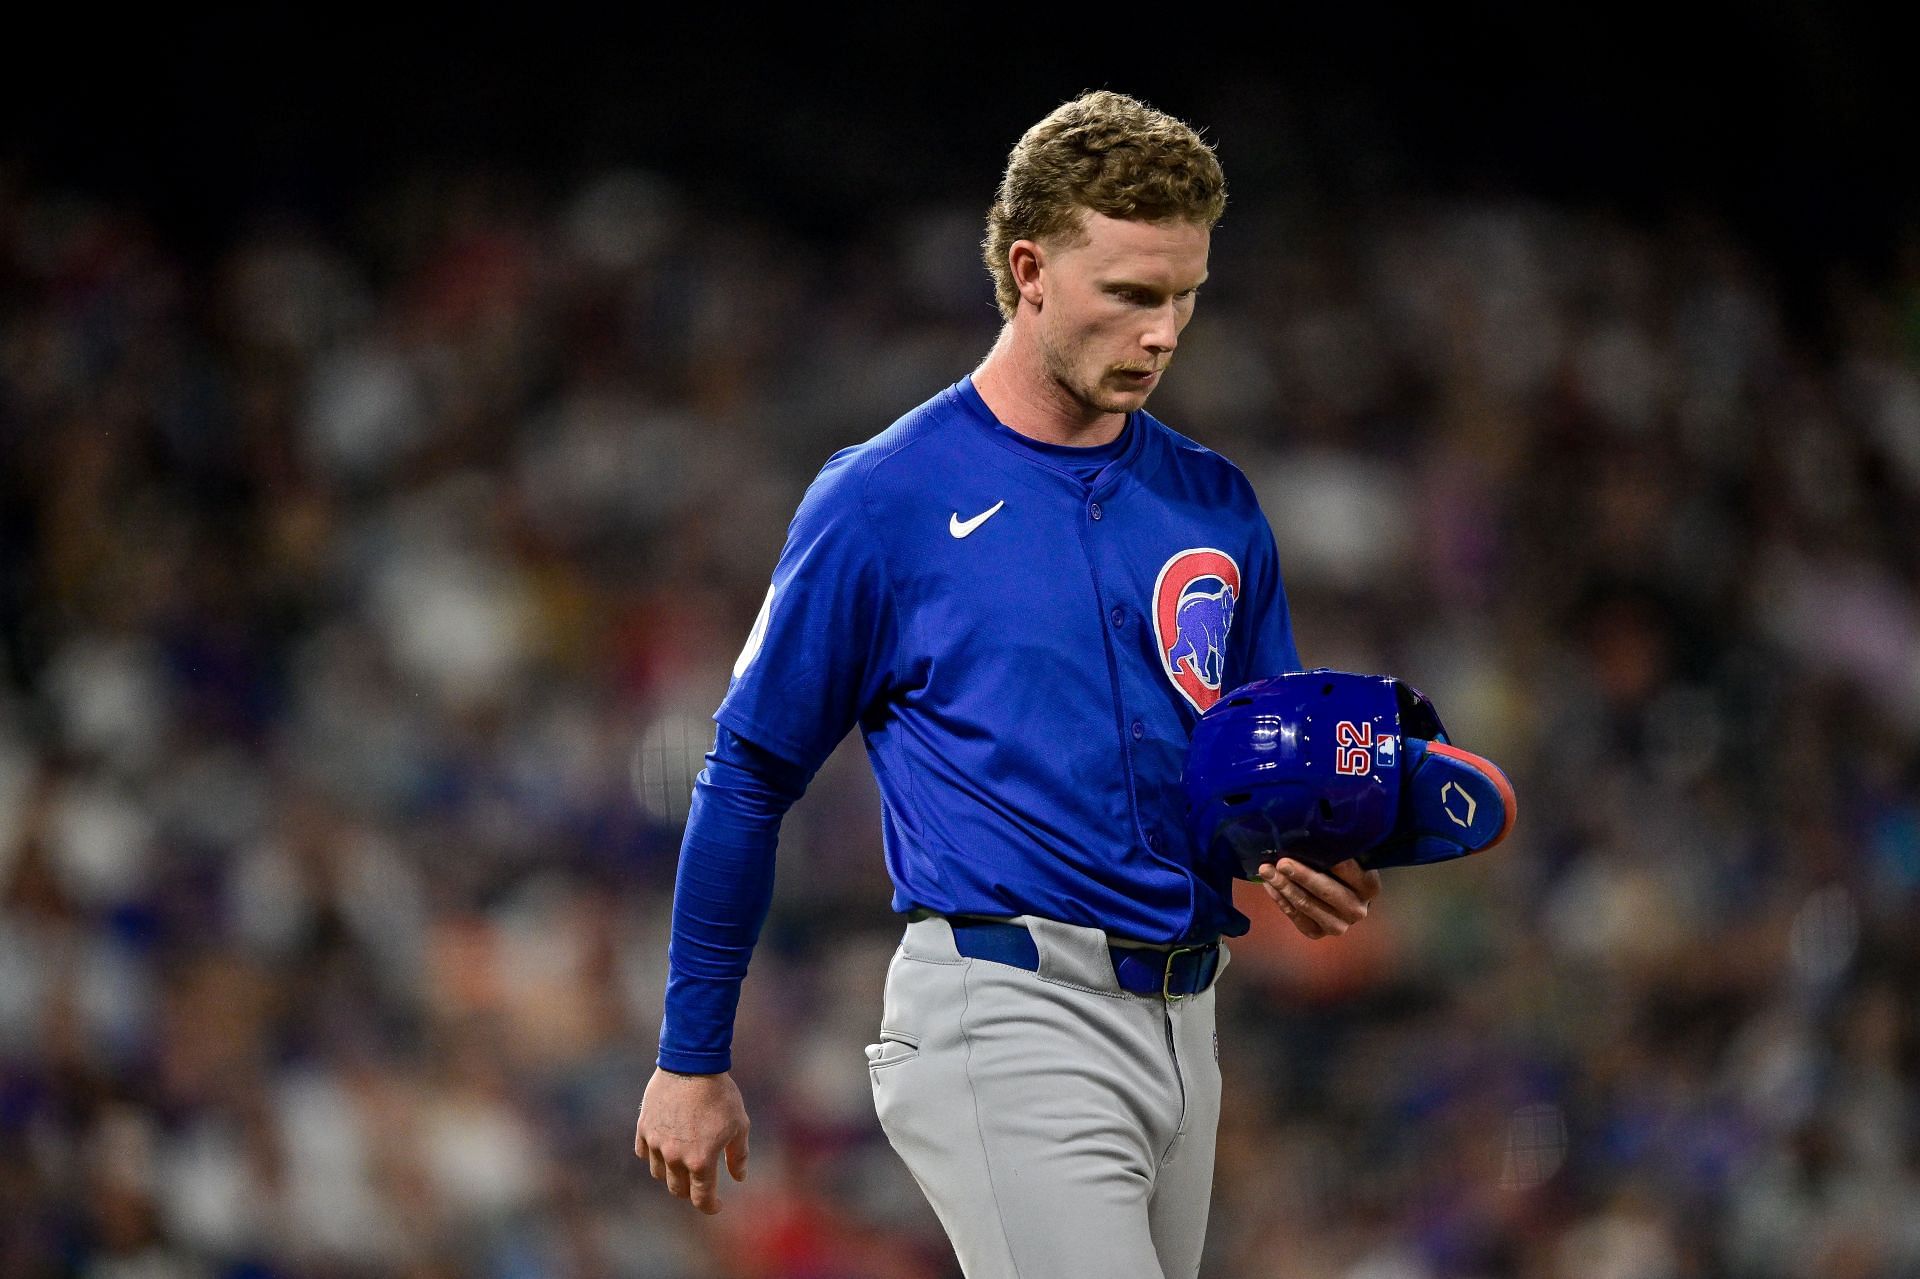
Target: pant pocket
<point x="893" y="1048"/>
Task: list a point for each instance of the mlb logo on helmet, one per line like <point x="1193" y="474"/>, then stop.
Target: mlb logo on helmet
<point x="1193" y="601"/>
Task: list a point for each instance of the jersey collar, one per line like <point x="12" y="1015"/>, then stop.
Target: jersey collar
<point x="1110" y="477"/>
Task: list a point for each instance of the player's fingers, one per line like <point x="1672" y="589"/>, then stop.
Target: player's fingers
<point x="1309" y="905"/>
<point x="677" y="1179"/>
<point x="702" y="1189"/>
<point x="640" y="1138"/>
<point x="1327" y="895"/>
<point x="1304" y="924"/>
<point x="1309" y="913"/>
<point x="737" y="1157"/>
<point x="1365" y="883"/>
<point x="656" y="1163"/>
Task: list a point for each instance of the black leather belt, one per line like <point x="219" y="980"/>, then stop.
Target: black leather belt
<point x="1170" y="974"/>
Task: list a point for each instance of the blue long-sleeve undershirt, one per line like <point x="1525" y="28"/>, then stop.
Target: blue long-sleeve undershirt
<point x="721" y="895"/>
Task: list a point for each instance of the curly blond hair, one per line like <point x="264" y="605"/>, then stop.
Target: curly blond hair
<point x="1106" y="152"/>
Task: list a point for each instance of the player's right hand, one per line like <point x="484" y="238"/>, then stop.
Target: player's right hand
<point x="1320" y="904"/>
<point x="686" y="1123"/>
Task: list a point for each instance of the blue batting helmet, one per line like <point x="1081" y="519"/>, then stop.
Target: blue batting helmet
<point x="1326" y="765"/>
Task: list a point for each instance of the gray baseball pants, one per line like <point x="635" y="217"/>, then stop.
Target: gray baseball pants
<point x="1062" y="1128"/>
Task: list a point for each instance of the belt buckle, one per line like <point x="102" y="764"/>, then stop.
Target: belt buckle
<point x="1166" y="974"/>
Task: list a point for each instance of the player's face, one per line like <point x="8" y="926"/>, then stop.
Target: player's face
<point x="1114" y="305"/>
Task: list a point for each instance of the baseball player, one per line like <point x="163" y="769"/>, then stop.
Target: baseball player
<point x="1024" y="592"/>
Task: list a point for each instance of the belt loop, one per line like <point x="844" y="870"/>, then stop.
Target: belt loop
<point x="930" y="937"/>
<point x="1072" y="954"/>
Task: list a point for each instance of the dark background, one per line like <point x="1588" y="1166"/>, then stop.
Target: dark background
<point x="1791" y="121"/>
<point x="399" y="417"/>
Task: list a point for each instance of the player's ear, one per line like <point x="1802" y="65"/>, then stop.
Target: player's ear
<point x="1025" y="260"/>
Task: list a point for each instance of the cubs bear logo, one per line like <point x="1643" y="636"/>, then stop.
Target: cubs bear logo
<point x="1193" y="602"/>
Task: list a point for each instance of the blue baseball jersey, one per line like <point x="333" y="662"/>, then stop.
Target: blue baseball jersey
<point x="1025" y="649"/>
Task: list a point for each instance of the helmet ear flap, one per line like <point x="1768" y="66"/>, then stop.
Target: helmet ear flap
<point x="1452" y="803"/>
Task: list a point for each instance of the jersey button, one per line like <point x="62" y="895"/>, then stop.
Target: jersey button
<point x="1119" y="616"/>
<point x="1139" y="730"/>
<point x="1094" y="510"/>
<point x="1153" y="842"/>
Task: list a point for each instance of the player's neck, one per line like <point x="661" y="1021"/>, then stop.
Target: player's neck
<point x="1014" y="382"/>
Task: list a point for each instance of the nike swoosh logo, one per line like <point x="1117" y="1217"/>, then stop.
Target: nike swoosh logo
<point x="960" y="528"/>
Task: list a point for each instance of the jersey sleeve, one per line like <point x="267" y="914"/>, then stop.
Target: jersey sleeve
<point x="820" y="651"/>
<point x="1264" y="645"/>
<point x="721" y="894"/>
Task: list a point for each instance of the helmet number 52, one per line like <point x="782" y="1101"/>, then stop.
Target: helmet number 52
<point x="1353" y="752"/>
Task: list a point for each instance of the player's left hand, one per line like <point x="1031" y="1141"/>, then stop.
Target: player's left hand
<point x="1320" y="903"/>
<point x="687" y="1123"/>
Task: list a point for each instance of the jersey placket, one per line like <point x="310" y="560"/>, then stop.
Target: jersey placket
<point x="1096" y="520"/>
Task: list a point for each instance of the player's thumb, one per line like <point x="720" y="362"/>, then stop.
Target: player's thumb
<point x="737" y="1157"/>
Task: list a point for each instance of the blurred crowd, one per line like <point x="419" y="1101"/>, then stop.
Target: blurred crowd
<point x="366" y="587"/>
